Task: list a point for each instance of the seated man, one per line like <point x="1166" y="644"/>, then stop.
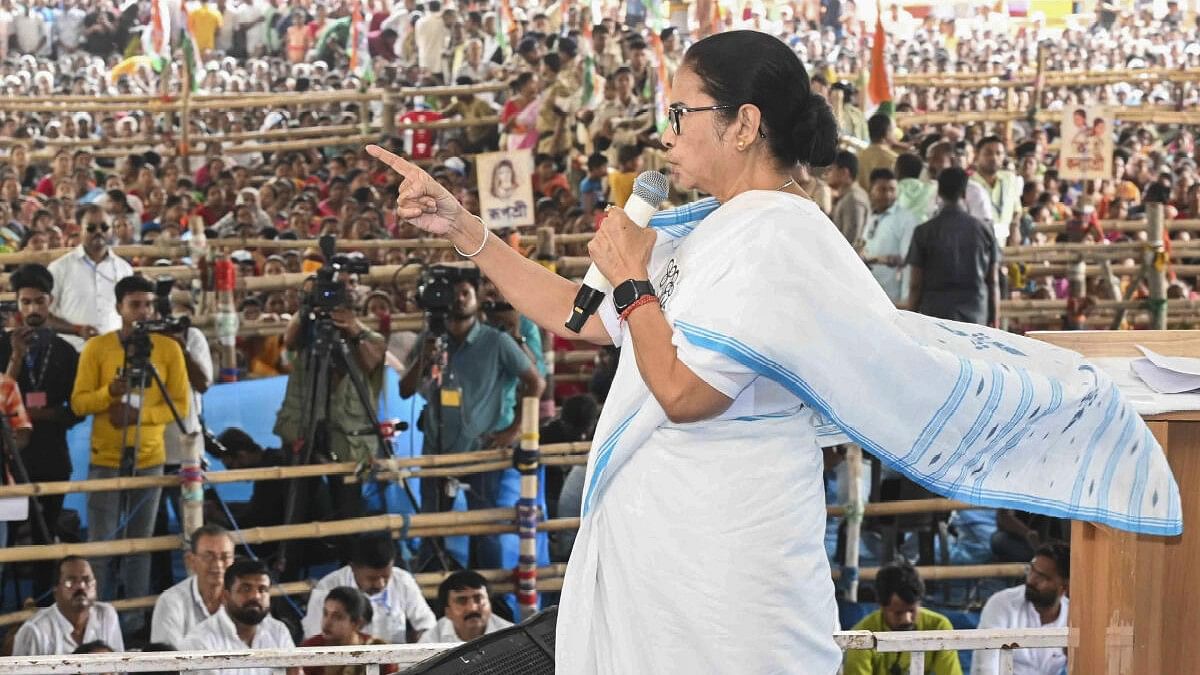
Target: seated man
<point x="468" y="610"/>
<point x="900" y="590"/>
<point x="244" y="619"/>
<point x="189" y="602"/>
<point x="1041" y="602"/>
<point x="74" y="619"/>
<point x="396" y="599"/>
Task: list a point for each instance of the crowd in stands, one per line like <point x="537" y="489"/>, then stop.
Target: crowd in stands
<point x="578" y="92"/>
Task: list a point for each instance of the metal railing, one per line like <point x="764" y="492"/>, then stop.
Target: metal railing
<point x="371" y="656"/>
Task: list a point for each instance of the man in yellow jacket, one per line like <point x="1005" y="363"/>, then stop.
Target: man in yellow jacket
<point x="127" y="427"/>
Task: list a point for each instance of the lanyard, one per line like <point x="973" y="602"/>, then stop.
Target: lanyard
<point x="96" y="267"/>
<point x="36" y="385"/>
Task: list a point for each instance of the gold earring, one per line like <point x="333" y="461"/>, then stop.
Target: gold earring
<point x="741" y="146"/>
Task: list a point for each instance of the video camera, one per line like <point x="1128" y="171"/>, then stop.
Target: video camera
<point x="328" y="292"/>
<point x="435" y="293"/>
<point x="138" y="345"/>
<point x="166" y="322"/>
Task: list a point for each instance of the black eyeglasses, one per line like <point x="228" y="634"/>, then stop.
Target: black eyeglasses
<point x="675" y="113"/>
<point x="92" y="227"/>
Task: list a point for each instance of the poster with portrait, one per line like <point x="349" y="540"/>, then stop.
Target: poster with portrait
<point x="1087" y="143"/>
<point x="505" y="188"/>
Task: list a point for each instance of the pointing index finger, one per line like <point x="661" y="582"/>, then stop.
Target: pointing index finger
<point x="394" y="161"/>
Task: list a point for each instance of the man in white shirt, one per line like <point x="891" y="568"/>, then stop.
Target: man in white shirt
<point x="976" y="203"/>
<point x="190" y="602"/>
<point x="32" y="33"/>
<point x="1041" y="603"/>
<point x="432" y="32"/>
<point x="396" y="599"/>
<point x="888" y="235"/>
<point x="468" y="610"/>
<point x="68" y="28"/>
<point x="86" y="303"/>
<point x="1003" y="187"/>
<point x="244" y="619"/>
<point x="74" y="619"/>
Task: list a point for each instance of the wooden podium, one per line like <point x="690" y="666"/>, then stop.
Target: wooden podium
<point x="1135" y="599"/>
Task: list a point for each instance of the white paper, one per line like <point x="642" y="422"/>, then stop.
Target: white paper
<point x="1180" y="364"/>
<point x="1144" y="399"/>
<point x="14" y="509"/>
<point x="1162" y="380"/>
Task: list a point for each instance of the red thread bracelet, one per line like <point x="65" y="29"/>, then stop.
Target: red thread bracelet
<point x="644" y="300"/>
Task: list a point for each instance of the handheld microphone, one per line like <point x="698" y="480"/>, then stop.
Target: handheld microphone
<point x="649" y="190"/>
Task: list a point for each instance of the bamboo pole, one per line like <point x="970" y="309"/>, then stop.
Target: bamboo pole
<point x="527" y="509"/>
<point x="463" y="460"/>
<point x="1154" y="264"/>
<point x="944" y="572"/>
<point x="854" y="516"/>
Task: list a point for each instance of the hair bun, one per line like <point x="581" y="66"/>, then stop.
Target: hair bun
<point x="815" y="134"/>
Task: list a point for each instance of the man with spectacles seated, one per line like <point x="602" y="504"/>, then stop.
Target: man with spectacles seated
<point x="74" y="619"/>
<point x="184" y="605"/>
<point x="86" y="280"/>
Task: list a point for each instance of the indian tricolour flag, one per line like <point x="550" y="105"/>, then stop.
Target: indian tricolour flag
<point x="191" y="54"/>
<point x="360" y="51"/>
<point x="156" y="38"/>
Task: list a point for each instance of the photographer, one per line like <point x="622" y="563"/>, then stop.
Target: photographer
<point x="127" y="431"/>
<point x="346" y="431"/>
<point x="28" y="352"/>
<point x="467" y="411"/>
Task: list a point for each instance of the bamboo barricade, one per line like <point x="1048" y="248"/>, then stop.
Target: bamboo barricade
<point x="484" y="521"/>
<point x="389" y="469"/>
<point x="527" y="463"/>
<point x="550" y="579"/>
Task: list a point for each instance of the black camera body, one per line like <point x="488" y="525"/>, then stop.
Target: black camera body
<point x="435" y="293"/>
<point x="328" y="293"/>
<point x="162" y="306"/>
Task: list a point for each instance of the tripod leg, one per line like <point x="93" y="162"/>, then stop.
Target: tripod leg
<point x="37" y="517"/>
<point x="315" y="399"/>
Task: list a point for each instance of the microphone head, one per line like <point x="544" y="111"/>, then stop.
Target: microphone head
<point x="651" y="187"/>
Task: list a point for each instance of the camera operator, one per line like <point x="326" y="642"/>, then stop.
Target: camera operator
<point x="468" y="409"/>
<point x="347" y="431"/>
<point x="129" y="420"/>
<point x="43" y="365"/>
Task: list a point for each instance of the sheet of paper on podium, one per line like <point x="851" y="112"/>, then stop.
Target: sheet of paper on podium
<point x="1167" y="374"/>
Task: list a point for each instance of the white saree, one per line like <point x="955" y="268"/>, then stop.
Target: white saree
<point x="701" y="544"/>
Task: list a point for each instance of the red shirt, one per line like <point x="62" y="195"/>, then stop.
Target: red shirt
<point x="422" y="139"/>
<point x="46" y="186"/>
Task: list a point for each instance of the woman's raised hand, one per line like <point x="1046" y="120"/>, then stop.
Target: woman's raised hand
<point x="422" y="201"/>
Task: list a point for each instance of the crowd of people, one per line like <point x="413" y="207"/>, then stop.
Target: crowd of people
<point x="929" y="207"/>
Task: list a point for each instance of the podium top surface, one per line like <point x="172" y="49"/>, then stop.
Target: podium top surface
<point x="1103" y="344"/>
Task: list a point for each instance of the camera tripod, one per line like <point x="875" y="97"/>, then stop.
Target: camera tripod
<point x="328" y="346"/>
<point x="138" y="373"/>
<point x="13" y="458"/>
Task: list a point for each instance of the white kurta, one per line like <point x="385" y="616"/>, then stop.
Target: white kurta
<point x="704" y="553"/>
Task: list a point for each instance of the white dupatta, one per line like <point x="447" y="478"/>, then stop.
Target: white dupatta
<point x="968" y="412"/>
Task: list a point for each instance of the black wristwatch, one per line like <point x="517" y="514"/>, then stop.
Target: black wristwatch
<point x="628" y="292"/>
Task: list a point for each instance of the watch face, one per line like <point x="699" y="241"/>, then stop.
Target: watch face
<point x="623" y="294"/>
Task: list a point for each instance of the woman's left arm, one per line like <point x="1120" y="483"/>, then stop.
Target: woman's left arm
<point x="621" y="250"/>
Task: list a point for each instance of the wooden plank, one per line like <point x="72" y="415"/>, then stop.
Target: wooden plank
<point x="1103" y="343"/>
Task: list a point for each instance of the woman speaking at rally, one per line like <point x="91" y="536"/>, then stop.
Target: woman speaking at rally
<point x="761" y="335"/>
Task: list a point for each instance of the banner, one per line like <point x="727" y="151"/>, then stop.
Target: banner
<point x="1087" y="143"/>
<point x="505" y="188"/>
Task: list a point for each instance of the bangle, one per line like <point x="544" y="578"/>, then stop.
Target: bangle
<point x="483" y="243"/>
<point x="644" y="300"/>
